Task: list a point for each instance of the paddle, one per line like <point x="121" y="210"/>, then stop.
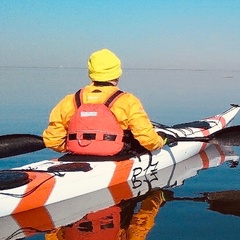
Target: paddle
<point x="225" y="202"/>
<point x="16" y="144"/>
<point x="229" y="136"/>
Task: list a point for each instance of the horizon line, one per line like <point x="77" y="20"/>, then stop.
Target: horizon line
<point x="130" y="68"/>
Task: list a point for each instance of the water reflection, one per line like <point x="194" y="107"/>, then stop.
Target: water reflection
<point x="94" y="217"/>
<point x="116" y="222"/>
<point x="225" y="202"/>
<point x="122" y="222"/>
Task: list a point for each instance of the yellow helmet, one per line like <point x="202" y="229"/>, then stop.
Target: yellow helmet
<point x="104" y="66"/>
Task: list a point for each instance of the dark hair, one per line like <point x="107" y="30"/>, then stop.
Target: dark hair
<point x="108" y="83"/>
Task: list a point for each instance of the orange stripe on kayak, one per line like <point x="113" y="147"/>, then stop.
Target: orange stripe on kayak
<point x="205" y="160"/>
<point x="118" y="185"/>
<point x="120" y="192"/>
<point x="122" y="171"/>
<point x="36" y="197"/>
<point x="37" y="218"/>
<point x="204" y="145"/>
<point x="205" y="132"/>
<point x="221" y="119"/>
<point x="221" y="154"/>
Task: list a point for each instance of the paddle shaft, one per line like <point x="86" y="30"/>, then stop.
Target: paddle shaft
<point x="16" y="144"/>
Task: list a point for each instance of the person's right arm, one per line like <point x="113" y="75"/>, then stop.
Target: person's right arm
<point x="54" y="136"/>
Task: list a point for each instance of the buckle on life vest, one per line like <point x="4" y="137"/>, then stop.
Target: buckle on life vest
<point x="91" y="136"/>
<point x="82" y="144"/>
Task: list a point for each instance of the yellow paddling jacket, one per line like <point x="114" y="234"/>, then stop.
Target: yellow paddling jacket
<point x="127" y="109"/>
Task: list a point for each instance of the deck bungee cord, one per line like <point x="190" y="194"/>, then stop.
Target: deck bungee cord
<point x="18" y="177"/>
<point x="33" y="189"/>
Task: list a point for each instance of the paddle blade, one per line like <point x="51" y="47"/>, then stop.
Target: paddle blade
<point x="229" y="136"/>
<point x="225" y="202"/>
<point x="16" y="144"/>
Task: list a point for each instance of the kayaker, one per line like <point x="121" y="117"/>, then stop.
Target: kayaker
<point x="77" y="131"/>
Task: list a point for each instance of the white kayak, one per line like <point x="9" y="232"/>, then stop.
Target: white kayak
<point x="51" y="181"/>
<point x="95" y="205"/>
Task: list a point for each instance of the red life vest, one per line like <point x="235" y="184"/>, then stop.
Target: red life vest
<point x="93" y="129"/>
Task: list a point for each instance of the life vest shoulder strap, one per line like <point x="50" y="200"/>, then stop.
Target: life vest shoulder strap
<point x="78" y="98"/>
<point x="108" y="102"/>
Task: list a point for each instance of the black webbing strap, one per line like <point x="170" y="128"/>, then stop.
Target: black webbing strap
<point x="92" y="136"/>
<point x="107" y="137"/>
<point x="111" y="98"/>
<point x="77" y="98"/>
<point x="107" y="103"/>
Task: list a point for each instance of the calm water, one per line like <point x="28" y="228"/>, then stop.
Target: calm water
<point x="169" y="97"/>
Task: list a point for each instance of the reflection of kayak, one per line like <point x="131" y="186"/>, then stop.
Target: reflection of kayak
<point x="96" y="203"/>
<point x="51" y="181"/>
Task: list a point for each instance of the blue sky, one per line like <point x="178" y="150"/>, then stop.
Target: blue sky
<point x="183" y="34"/>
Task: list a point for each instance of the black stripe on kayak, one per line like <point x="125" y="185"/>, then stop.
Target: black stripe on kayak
<point x="195" y="124"/>
<point x="71" y="167"/>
